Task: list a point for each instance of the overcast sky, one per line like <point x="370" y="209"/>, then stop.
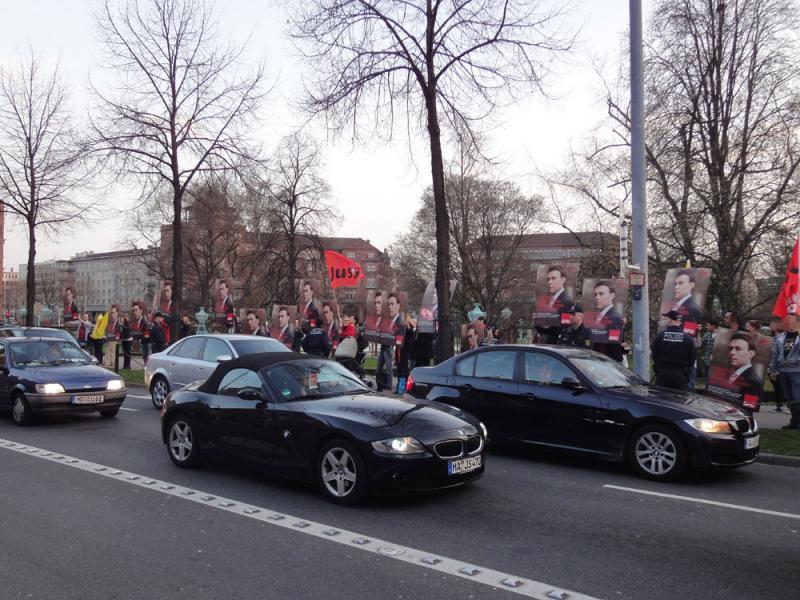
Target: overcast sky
<point x="375" y="187"/>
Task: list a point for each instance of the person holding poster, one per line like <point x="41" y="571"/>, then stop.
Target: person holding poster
<point x="575" y="334"/>
<point x="785" y="363"/>
<point x="282" y="329"/>
<point x="737" y="367"/>
<point x="309" y="311"/>
<point x="224" y="317"/>
<point x="553" y="300"/>
<point x="372" y="324"/>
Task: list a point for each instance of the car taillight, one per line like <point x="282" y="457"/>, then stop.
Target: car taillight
<point x="409" y="383"/>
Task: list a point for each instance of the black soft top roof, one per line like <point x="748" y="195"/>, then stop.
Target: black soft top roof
<point x="254" y="362"/>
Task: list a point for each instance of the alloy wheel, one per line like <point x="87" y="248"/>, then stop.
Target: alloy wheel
<point x="159" y="392"/>
<point x="181" y="441"/>
<point x="656" y="453"/>
<point x="18" y="410"/>
<point x="339" y="472"/>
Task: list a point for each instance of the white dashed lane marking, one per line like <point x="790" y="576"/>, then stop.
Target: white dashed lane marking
<point x="138" y="396"/>
<point x="420" y="558"/>
<point x="762" y="511"/>
<point x="129" y="409"/>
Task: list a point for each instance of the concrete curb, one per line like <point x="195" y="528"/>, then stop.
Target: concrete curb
<point x="779" y="459"/>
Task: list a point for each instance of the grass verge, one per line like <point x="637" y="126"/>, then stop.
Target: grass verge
<point x="131" y="376"/>
<point x="780" y="441"/>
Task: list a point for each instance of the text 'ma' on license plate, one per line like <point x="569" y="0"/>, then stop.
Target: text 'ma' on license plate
<point x="751" y="442"/>
<point x="464" y="465"/>
<point x="95" y="399"/>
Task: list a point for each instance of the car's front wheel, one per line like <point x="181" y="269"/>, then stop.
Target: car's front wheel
<point x="341" y="472"/>
<point x="658" y="453"/>
<point x="182" y="443"/>
<point x="21" y="410"/>
<point x="158" y="391"/>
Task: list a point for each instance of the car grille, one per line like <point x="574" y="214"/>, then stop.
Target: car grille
<point x="80" y="389"/>
<point x="741" y="425"/>
<point x="474" y="444"/>
<point x="449" y="449"/>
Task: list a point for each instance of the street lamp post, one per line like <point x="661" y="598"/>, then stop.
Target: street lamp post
<point x="641" y="301"/>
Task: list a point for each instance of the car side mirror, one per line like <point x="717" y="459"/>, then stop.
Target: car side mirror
<point x="250" y="394"/>
<point x="224" y="358"/>
<point x="572" y="384"/>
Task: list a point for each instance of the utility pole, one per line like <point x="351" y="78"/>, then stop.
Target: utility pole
<point x="641" y="303"/>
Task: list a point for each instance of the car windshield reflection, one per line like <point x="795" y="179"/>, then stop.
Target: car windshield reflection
<point x="606" y="373"/>
<point x="47" y="352"/>
<point x="310" y="379"/>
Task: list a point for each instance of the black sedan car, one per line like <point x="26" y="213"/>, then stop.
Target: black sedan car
<point x="579" y="400"/>
<point x="311" y="419"/>
<point x="55" y="377"/>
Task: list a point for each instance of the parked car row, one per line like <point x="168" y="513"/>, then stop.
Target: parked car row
<point x="250" y="399"/>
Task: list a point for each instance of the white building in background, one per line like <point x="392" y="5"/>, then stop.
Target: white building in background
<point x="108" y="278"/>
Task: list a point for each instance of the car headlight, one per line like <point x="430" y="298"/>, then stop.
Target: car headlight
<point x="483" y="430"/>
<point x="49" y="388"/>
<point x="115" y="384"/>
<point x="403" y="446"/>
<point x="709" y="425"/>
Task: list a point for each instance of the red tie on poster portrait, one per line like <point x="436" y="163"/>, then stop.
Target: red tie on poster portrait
<point x="343" y="271"/>
<point x="789" y="296"/>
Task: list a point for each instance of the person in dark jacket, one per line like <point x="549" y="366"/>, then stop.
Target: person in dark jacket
<point x="674" y="353"/>
<point x="126" y="336"/>
<point x="316" y="341"/>
<point x="158" y="340"/>
<point x="576" y="333"/>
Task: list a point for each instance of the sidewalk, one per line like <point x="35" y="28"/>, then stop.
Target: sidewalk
<point x="767" y="418"/>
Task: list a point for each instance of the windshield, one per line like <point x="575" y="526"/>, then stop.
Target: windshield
<point x="308" y="379"/>
<point x="51" y="333"/>
<point x="606" y="373"/>
<point x="257" y="345"/>
<point x="46" y="352"/>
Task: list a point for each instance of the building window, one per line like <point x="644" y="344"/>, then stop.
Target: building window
<point x="370" y="255"/>
<point x="350" y="254"/>
<point x="371" y="284"/>
<point x="371" y="267"/>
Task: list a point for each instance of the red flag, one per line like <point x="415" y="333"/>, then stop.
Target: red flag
<point x="789" y="296"/>
<point x="342" y="271"/>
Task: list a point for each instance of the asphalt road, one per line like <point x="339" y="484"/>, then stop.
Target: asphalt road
<point x="68" y="532"/>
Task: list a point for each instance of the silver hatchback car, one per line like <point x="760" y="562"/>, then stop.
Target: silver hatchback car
<point x="194" y="358"/>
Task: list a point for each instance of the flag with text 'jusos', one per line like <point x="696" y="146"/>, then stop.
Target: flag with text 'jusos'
<point x="788" y="300"/>
<point x="343" y="271"/>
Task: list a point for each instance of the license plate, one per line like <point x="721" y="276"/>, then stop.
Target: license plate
<point x="464" y="465"/>
<point x="88" y="399"/>
<point x="751" y="442"/>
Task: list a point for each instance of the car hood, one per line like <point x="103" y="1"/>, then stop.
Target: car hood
<point x="402" y="414"/>
<point x="697" y="405"/>
<point x="72" y="377"/>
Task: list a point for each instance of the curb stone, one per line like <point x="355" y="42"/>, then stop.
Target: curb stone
<point x="779" y="459"/>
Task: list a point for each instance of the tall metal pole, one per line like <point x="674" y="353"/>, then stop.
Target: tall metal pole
<point x="641" y="317"/>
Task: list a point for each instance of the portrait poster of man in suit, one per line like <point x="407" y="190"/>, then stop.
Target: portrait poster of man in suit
<point x="224" y="311"/>
<point x="685" y="290"/>
<point x="604" y="302"/>
<point x="393" y="326"/>
<point x="429" y="308"/>
<point x="309" y="308"/>
<point x="254" y="322"/>
<point x="377" y="311"/>
<point x="738" y="365"/>
<point x="163" y="298"/>
<point x="472" y="335"/>
<point x="555" y="294"/>
<point x="282" y="323"/>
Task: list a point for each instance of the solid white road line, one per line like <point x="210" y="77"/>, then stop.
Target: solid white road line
<point x="420" y="558"/>
<point x="763" y="511"/>
<point x="138" y="396"/>
<point x="129" y="409"/>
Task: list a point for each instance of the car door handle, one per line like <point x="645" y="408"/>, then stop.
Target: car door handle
<point x="467" y="387"/>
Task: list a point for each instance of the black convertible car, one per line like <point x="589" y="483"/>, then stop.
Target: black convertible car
<point x="311" y="419"/>
<point x="579" y="400"/>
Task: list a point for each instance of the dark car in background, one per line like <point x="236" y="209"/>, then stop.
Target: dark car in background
<point x="581" y="401"/>
<point x="54" y="377"/>
<point x="309" y="418"/>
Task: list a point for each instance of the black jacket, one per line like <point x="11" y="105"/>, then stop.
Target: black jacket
<point x="570" y="336"/>
<point x="316" y="342"/>
<point x="157" y="338"/>
<point x="673" y="350"/>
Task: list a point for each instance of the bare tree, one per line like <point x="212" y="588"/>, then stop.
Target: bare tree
<point x="723" y="152"/>
<point x="180" y="105"/>
<point x="41" y="159"/>
<point x="439" y="61"/>
<point x="489" y="219"/>
<point x="291" y="208"/>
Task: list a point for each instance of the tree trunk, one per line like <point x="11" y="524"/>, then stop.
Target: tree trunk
<point x="177" y="265"/>
<point x="444" y="341"/>
<point x="30" y="278"/>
